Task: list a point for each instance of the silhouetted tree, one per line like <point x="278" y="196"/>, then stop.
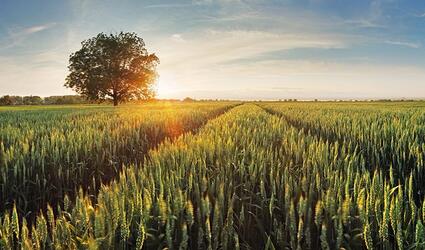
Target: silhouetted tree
<point x="115" y="66"/>
<point x="6" y="100"/>
<point x="11" y="100"/>
<point x="65" y="99"/>
<point x="188" y="99"/>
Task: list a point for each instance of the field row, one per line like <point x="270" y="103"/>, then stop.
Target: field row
<point x="267" y="176"/>
<point x="389" y="143"/>
<point x="389" y="139"/>
<point x="46" y="154"/>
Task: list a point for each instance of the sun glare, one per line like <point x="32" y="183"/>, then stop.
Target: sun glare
<point x="166" y="88"/>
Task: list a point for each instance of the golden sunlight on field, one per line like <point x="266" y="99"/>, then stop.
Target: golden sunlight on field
<point x="212" y="124"/>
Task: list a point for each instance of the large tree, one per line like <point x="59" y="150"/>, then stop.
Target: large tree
<point x="114" y="66"/>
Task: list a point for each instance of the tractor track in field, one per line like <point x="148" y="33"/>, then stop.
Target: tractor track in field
<point x="359" y="149"/>
<point x="109" y="178"/>
<point x="325" y="136"/>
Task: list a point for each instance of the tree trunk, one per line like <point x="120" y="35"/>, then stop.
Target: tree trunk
<point x="115" y="97"/>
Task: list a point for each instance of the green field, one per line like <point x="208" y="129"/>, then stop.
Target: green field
<point x="213" y="175"/>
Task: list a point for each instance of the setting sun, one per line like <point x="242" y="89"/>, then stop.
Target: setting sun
<point x="167" y="88"/>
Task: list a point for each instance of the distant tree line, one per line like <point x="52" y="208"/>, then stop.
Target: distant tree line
<point x="9" y="100"/>
<point x="289" y="100"/>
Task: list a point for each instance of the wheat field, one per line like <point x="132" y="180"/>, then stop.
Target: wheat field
<point x="213" y="175"/>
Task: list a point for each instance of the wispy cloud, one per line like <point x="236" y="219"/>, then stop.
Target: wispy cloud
<point x="30" y="30"/>
<point x="18" y="35"/>
<point x="252" y="15"/>
<point x="167" y="5"/>
<point x="217" y="46"/>
<point x="296" y="79"/>
<point x="364" y="23"/>
<point x="202" y="2"/>
<point x="202" y="59"/>
<point x="36" y="29"/>
<point x="177" y="38"/>
<point x="404" y="44"/>
<point x="421" y="15"/>
<point x="237" y="47"/>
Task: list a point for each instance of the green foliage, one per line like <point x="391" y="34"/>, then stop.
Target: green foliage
<point x="275" y="176"/>
<point x="114" y="66"/>
<point x="48" y="153"/>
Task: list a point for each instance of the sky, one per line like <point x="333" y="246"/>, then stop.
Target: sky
<point x="228" y="49"/>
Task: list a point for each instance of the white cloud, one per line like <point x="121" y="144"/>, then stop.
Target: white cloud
<point x="202" y="60"/>
<point x="364" y="23"/>
<point x="36" y="29"/>
<point x="169" y="5"/>
<point x="18" y="35"/>
<point x="214" y="46"/>
<point x="200" y="2"/>
<point x="276" y="79"/>
<point x="20" y="32"/>
<point x="177" y="38"/>
<point x="195" y="46"/>
<point x="198" y="68"/>
<point x="404" y="44"/>
<point x="419" y="15"/>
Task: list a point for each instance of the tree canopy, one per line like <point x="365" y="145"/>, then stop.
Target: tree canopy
<point x="114" y="66"/>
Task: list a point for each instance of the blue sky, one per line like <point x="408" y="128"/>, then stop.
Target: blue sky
<point x="245" y="49"/>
